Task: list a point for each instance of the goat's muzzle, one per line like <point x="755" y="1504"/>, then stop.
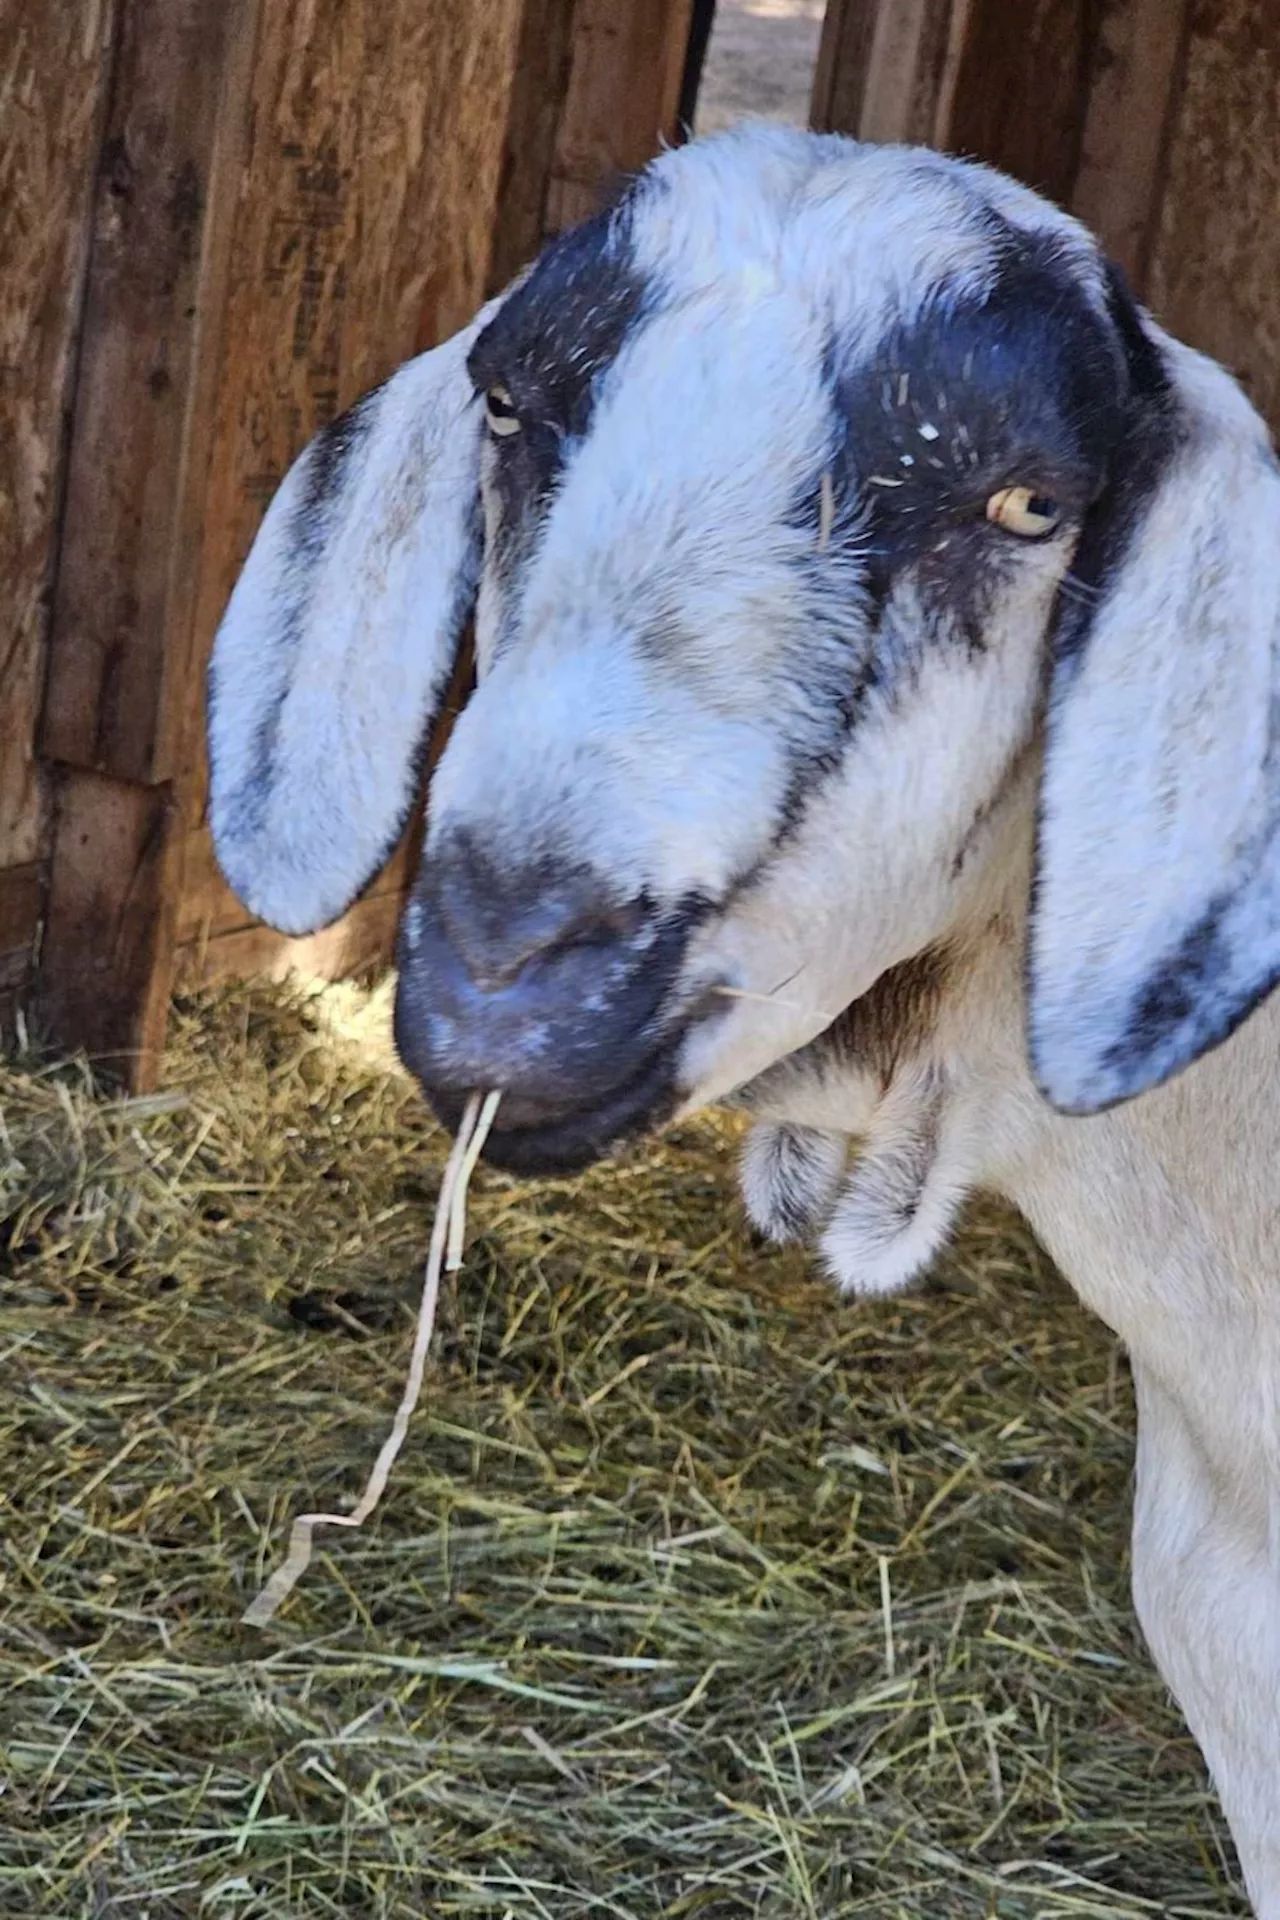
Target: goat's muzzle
<point x="541" y="982"/>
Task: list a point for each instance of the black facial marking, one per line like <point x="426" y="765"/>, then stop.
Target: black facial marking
<point x="1147" y="440"/>
<point x="554" y="336"/>
<point x="548" y="345"/>
<point x="558" y="331"/>
<point x="1023" y="386"/>
<point x="324" y="481"/>
<point x="326" y="473"/>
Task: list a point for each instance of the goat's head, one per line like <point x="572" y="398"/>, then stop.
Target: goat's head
<point x="804" y="472"/>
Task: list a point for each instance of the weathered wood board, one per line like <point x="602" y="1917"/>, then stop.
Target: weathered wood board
<point x="1214" y="276"/>
<point x="1133" y="97"/>
<point x="621" y="98"/>
<point x="112" y="887"/>
<point x="111" y="701"/>
<point x="1002" y="80"/>
<point x="55" y="65"/>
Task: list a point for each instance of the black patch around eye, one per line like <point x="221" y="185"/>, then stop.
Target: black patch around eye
<point x="1024" y="385"/>
<point x="555" y="335"/>
<point x="548" y="346"/>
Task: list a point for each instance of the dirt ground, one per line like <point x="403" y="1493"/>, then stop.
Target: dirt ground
<point x="760" y="61"/>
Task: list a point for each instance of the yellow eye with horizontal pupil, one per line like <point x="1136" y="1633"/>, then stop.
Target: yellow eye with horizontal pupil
<point x="500" y="411"/>
<point x="1023" y="511"/>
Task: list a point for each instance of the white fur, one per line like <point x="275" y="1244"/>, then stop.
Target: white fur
<point x="1162" y="787"/>
<point x="351" y="647"/>
<point x="790" y="1177"/>
<point x="679" y="641"/>
<point x="900" y="1201"/>
<point x="1163" y="1215"/>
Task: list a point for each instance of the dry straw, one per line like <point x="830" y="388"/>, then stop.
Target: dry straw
<point x="697" y="1593"/>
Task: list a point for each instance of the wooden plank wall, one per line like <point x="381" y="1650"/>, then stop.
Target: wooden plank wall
<point x="599" y="92"/>
<point x="55" y="63"/>
<point x="111" y="737"/>
<point x="1110" y="110"/>
<point x="1156" y="121"/>
<point x="377" y="143"/>
<point x="621" y="99"/>
<point x="591" y="88"/>
<point x="222" y="224"/>
<point x="1214" y="273"/>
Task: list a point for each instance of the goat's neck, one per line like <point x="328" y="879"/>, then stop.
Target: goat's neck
<point x="1164" y="1214"/>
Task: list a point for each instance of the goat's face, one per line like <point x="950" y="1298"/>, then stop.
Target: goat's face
<point x="797" y="470"/>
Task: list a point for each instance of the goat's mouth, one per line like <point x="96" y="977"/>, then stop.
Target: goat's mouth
<point x="529" y="1137"/>
<point x="582" y="1035"/>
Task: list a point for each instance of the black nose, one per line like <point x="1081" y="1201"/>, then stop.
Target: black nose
<point x="540" y="980"/>
<point x="501" y="929"/>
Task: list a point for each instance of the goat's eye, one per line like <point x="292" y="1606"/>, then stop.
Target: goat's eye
<point x="500" y="411"/>
<point x="1022" y="511"/>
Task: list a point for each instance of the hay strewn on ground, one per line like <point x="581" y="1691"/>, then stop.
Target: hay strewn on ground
<point x="696" y="1591"/>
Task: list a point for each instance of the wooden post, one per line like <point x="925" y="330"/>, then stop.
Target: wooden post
<point x="621" y="100"/>
<point x="543" y="67"/>
<point x="1214" y="256"/>
<point x="56" y="60"/>
<point x="112" y="900"/>
<point x="112" y="730"/>
<point x="1076" y="100"/>
<point x="1137" y="81"/>
<point x="886" y="68"/>
<point x="1002" y="80"/>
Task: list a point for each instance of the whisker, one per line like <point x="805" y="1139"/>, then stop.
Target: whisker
<point x="1083" y="591"/>
<point x="774" y="999"/>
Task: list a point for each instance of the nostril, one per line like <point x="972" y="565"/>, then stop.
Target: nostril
<point x="531" y="945"/>
<point x="606" y="927"/>
<point x="501" y="927"/>
<point x="604" y="931"/>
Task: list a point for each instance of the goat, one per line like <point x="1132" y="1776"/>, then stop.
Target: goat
<point x="876" y="724"/>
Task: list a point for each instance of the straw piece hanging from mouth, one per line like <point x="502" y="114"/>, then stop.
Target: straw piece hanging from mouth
<point x="445" y="1251"/>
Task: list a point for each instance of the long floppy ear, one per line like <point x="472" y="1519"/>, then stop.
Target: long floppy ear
<point x="339" y="640"/>
<point x="1155" y="923"/>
